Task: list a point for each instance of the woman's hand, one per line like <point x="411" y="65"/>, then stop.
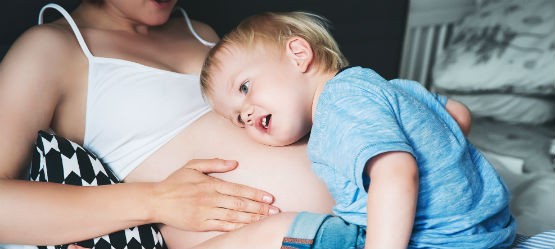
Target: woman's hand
<point x="191" y="200"/>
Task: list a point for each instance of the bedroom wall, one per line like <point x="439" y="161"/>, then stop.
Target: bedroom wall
<point x="17" y="16"/>
<point x="370" y="33"/>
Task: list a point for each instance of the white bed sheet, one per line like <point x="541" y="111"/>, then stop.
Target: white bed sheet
<point x="520" y="153"/>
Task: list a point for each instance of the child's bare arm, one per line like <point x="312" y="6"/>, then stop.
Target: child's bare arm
<point x="392" y="198"/>
<point x="461" y="114"/>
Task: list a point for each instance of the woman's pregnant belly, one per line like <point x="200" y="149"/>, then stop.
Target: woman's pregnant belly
<point x="283" y="171"/>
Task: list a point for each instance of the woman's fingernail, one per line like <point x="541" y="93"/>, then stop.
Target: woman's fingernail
<point x="229" y="163"/>
<point x="267" y="199"/>
<point x="273" y="210"/>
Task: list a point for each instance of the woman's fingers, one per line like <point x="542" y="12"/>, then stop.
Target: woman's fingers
<point x="243" y="191"/>
<point x="227" y="188"/>
<point x="191" y="200"/>
<point x="212" y="165"/>
<point x="233" y="216"/>
<point x="246" y="205"/>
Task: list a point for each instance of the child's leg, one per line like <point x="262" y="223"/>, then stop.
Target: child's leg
<point x="292" y="231"/>
<point x="322" y="231"/>
<point x="267" y="233"/>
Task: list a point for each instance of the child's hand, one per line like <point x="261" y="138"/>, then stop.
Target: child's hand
<point x="461" y="114"/>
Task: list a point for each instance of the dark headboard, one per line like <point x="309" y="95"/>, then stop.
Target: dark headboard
<point x="19" y="15"/>
<point x="370" y="33"/>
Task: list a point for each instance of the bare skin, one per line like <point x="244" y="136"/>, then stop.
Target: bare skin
<point x="50" y="91"/>
<point x="283" y="171"/>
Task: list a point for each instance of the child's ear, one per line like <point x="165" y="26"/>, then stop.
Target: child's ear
<point x="300" y="53"/>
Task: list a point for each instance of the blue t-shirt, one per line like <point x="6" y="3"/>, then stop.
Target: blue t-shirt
<point x="462" y="202"/>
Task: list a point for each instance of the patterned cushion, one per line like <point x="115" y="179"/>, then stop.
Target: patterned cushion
<point x="511" y="108"/>
<point x="499" y="61"/>
<point x="506" y="46"/>
<point x="56" y="159"/>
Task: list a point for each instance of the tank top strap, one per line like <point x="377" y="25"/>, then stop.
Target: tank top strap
<point x="190" y="26"/>
<point x="72" y="24"/>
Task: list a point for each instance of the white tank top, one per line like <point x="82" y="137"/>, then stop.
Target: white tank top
<point x="134" y="109"/>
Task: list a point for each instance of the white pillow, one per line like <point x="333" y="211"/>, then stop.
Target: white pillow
<point x="509" y="107"/>
<point x="506" y="46"/>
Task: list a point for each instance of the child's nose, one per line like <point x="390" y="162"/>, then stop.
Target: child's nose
<point x="248" y="119"/>
<point x="247" y="116"/>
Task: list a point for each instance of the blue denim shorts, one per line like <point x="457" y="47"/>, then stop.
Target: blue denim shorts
<point x="323" y="231"/>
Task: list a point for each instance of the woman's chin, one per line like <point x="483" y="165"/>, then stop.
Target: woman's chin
<point x="157" y="21"/>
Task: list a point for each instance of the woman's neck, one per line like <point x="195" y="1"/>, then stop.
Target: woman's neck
<point x="106" y="17"/>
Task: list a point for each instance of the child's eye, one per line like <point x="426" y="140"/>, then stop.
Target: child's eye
<point x="244" y="88"/>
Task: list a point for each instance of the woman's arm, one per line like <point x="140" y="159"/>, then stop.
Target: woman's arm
<point x="188" y="200"/>
<point x="34" y="212"/>
<point x="31" y="88"/>
<point x="29" y="94"/>
<point x="392" y="198"/>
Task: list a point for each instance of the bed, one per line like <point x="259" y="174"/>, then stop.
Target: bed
<point x="498" y="58"/>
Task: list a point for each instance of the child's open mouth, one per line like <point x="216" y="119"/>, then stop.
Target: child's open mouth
<point x="266" y="121"/>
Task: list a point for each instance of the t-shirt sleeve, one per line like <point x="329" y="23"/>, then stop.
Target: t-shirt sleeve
<point x="416" y="89"/>
<point x="442" y="99"/>
<point x="360" y="126"/>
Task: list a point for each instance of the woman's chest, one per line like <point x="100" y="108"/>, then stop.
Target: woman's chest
<point x="126" y="83"/>
<point x="172" y="52"/>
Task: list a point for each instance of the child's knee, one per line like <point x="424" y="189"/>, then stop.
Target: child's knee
<point x="267" y="233"/>
<point x="277" y="225"/>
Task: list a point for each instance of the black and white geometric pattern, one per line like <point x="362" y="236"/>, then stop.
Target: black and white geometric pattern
<point x="59" y="160"/>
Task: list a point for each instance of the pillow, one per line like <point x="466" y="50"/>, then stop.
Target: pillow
<point x="529" y="143"/>
<point x="506" y="46"/>
<point x="510" y="108"/>
<point x="59" y="160"/>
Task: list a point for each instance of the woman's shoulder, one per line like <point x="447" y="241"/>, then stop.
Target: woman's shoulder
<point x="205" y="31"/>
<point x="41" y="54"/>
<point x="46" y="39"/>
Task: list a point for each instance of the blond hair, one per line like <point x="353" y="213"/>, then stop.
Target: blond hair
<point x="275" y="29"/>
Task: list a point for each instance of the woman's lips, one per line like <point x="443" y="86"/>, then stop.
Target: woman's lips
<point x="162" y="3"/>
